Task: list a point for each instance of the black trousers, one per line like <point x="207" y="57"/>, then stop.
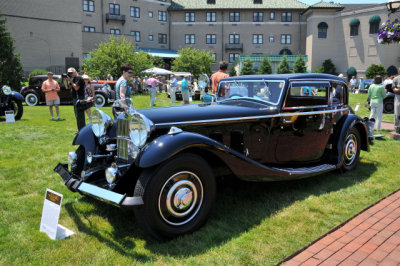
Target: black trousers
<point x="80" y="117"/>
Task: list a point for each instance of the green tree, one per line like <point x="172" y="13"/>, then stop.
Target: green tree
<point x="157" y="61"/>
<point x="110" y="55"/>
<point x="10" y="66"/>
<point x="232" y="71"/>
<point x="299" y="65"/>
<point x="38" y="71"/>
<point x="194" y="61"/>
<point x="265" y="66"/>
<point x="374" y="70"/>
<point x="327" y="67"/>
<point x="247" y="68"/>
<point x="283" y="66"/>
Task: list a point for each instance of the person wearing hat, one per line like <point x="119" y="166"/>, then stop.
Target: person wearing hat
<point x="50" y="88"/>
<point x="173" y="84"/>
<point x="89" y="94"/>
<point x="151" y="86"/>
<point x="77" y="87"/>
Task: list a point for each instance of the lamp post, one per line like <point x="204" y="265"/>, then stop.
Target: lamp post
<point x="393" y="6"/>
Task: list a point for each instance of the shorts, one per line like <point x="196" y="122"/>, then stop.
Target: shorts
<point x="185" y="95"/>
<point x="55" y="102"/>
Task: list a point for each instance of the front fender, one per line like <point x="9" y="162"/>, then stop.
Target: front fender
<point x="17" y="95"/>
<point x="343" y="127"/>
<point x="166" y="146"/>
<point x="86" y="138"/>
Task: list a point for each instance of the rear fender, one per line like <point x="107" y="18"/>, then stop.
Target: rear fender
<point x="344" y="125"/>
<point x="86" y="138"/>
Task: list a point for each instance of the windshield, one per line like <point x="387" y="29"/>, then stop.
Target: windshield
<point x="269" y="91"/>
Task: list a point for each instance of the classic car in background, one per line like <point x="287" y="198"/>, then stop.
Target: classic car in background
<point x="163" y="162"/>
<point x="195" y="90"/>
<point x="34" y="95"/>
<point x="388" y="103"/>
<point x="11" y="101"/>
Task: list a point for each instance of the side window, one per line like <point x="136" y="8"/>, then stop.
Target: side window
<point x="337" y="96"/>
<point x="303" y="94"/>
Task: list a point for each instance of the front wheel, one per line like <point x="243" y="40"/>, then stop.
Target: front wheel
<point x="351" y="150"/>
<point x="16" y="106"/>
<point x="177" y="196"/>
<point x="100" y="100"/>
<point x="31" y="99"/>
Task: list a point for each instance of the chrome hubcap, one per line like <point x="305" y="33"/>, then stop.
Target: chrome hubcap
<point x="350" y="151"/>
<point x="180" y="198"/>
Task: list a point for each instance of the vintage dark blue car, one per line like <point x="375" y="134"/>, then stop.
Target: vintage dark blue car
<point x="163" y="162"/>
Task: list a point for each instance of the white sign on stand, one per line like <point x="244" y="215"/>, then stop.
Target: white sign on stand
<point x="51" y="214"/>
<point x="10" y="117"/>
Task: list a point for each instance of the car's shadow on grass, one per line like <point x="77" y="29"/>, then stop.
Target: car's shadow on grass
<point x="239" y="207"/>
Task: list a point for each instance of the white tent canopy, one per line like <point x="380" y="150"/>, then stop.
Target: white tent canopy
<point x="157" y="71"/>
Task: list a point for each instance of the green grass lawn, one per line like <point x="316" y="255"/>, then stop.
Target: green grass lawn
<point x="251" y="223"/>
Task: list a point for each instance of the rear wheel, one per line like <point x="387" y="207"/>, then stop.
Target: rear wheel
<point x="177" y="196"/>
<point x="16" y="106"/>
<point x="31" y="99"/>
<point x="388" y="106"/>
<point x="100" y="100"/>
<point x="351" y="150"/>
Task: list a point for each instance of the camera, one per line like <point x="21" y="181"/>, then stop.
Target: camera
<point x="65" y="75"/>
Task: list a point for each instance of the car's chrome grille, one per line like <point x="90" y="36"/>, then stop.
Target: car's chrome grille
<point x="122" y="138"/>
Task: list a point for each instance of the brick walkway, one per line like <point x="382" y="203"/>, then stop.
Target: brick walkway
<point x="370" y="238"/>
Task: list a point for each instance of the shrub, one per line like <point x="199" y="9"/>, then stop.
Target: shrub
<point x="38" y="72"/>
<point x="265" y="66"/>
<point x="374" y="70"/>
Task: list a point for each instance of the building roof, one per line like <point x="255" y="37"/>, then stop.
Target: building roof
<point x="236" y="4"/>
<point x="323" y="4"/>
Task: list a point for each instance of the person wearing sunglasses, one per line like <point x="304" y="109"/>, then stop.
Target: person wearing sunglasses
<point x="122" y="88"/>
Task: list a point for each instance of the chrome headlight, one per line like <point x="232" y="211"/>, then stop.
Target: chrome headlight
<point x="100" y="122"/>
<point x="140" y="128"/>
<point x="6" y="89"/>
<point x="72" y="157"/>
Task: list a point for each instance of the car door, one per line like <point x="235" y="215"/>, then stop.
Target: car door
<point x="64" y="93"/>
<point x="303" y="129"/>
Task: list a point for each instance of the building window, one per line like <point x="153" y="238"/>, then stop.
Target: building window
<point x="210" y="2"/>
<point x="272" y="16"/>
<point x="233" y="57"/>
<point x="374" y="22"/>
<point x="162" y="38"/>
<point x="322" y="30"/>
<point x="214" y="57"/>
<point x="86" y="56"/>
<point x="286" y="39"/>
<point x="135" y="12"/>
<point x="271" y="39"/>
<point x="189" y="17"/>
<point x="354" y="30"/>
<point x="88" y="29"/>
<point x="115" y="31"/>
<point x="286" y="16"/>
<point x="258" y="16"/>
<point x="211" y="39"/>
<point x="162" y="16"/>
<point x="150" y="14"/>
<point x="114" y="9"/>
<point x="257" y="2"/>
<point x="150" y="37"/>
<point x="136" y="34"/>
<point x="211" y="17"/>
<point x="190" y="39"/>
<point x="257" y="38"/>
<point x="234" y="16"/>
<point x="88" y="6"/>
<point x="234" y="38"/>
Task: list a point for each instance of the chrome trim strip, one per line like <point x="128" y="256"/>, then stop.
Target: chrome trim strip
<point x="251" y="117"/>
<point x="101" y="193"/>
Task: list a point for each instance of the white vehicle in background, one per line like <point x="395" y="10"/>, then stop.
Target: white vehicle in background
<point x="195" y="91"/>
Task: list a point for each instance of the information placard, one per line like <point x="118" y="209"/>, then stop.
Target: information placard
<point x="50" y="216"/>
<point x="10" y="117"/>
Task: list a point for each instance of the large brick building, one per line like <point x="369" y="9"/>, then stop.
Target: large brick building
<point x="54" y="34"/>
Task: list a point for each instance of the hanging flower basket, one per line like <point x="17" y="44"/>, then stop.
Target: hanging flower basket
<point x="389" y="32"/>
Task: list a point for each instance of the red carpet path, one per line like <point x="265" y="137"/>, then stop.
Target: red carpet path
<point x="370" y="238"/>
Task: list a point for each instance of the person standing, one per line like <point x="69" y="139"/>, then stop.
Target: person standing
<point x="185" y="90"/>
<point x="50" y="87"/>
<point x="109" y="77"/>
<point x="396" y="91"/>
<point x="77" y="87"/>
<point x="122" y="89"/>
<point x="217" y="76"/>
<point x="152" y="87"/>
<point x="89" y="94"/>
<point x="361" y="85"/>
<point x="353" y="84"/>
<point x="376" y="93"/>
<point x="173" y="83"/>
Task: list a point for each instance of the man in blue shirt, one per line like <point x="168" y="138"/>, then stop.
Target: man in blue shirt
<point x="173" y="84"/>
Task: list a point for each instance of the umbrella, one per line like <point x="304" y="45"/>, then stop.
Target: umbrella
<point x="157" y="71"/>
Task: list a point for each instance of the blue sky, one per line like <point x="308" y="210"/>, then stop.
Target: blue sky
<point x="311" y="2"/>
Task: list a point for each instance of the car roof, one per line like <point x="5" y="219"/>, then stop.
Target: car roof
<point x="287" y="77"/>
<point x="45" y="76"/>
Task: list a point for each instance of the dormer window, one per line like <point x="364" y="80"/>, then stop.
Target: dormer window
<point x="257" y="1"/>
<point x="210" y="2"/>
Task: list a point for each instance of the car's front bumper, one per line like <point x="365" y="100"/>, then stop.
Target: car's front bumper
<point x="109" y="196"/>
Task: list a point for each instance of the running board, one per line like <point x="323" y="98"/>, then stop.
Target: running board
<point x="307" y="170"/>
